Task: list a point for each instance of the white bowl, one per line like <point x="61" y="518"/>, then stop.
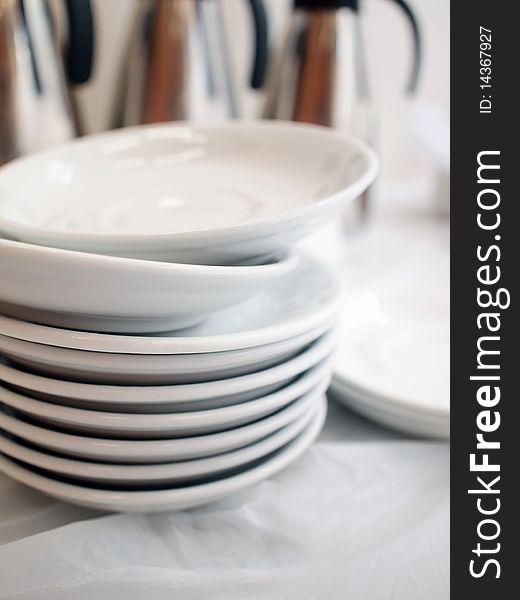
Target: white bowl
<point x="77" y="290"/>
<point x="169" y="425"/>
<point x="156" y="451"/>
<point x="152" y="369"/>
<point x="177" y="498"/>
<point x="215" y="194"/>
<point x="308" y="297"/>
<point x="169" y="398"/>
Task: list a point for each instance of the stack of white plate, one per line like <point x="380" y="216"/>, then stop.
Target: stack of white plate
<point x="131" y="382"/>
<point x="393" y="358"/>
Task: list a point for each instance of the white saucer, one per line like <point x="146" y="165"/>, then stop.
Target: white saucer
<point x="396" y="345"/>
<point x="157" y="426"/>
<point x="306" y="298"/>
<point x="156" y="451"/>
<point x="390" y="415"/>
<point x="146" y="475"/>
<point x="170" y="398"/>
<point x="168" y="499"/>
<point x="152" y="369"/>
<point x="393" y="357"/>
<point x="215" y="194"/>
<point x="122" y="295"/>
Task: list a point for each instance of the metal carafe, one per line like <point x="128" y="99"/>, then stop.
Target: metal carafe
<point x="321" y="70"/>
<point x="177" y="63"/>
<point x="35" y="108"/>
<point x="321" y="74"/>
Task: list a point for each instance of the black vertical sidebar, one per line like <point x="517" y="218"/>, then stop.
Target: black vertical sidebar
<point x="485" y="255"/>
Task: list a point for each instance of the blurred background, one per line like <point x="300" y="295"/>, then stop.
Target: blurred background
<point x="410" y="131"/>
<point x="389" y="52"/>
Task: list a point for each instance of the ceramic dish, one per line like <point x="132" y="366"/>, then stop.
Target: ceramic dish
<point x="169" y="398"/>
<point x="152" y="369"/>
<point x="394" y="334"/>
<point x="389" y="415"/>
<point x="308" y="297"/>
<point x="157" y="426"/>
<point x="168" y="499"/>
<point x="214" y="194"/>
<point x="396" y="345"/>
<point x="156" y="451"/>
<point x="122" y="295"/>
<point x="379" y="401"/>
<point x="145" y="475"/>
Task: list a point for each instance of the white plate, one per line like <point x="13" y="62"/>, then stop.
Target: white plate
<point x="156" y="426"/>
<point x="377" y="402"/>
<point x="389" y="415"/>
<point x="396" y="345"/>
<point x="393" y="358"/>
<point x="166" y="473"/>
<point x="308" y="297"/>
<point x="213" y="194"/>
<point x="156" y="451"/>
<point x="71" y="289"/>
<point x="169" y="398"/>
<point x="152" y="369"/>
<point x="168" y="499"/>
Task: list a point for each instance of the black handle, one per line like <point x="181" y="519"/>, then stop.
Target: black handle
<point x="324" y="4"/>
<point x="261" y="54"/>
<point x="417" y="46"/>
<point x="354" y="6"/>
<point x="79" y="52"/>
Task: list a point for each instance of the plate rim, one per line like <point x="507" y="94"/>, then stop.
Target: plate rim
<point x="193" y="422"/>
<point x="176" y="499"/>
<point x="316" y="315"/>
<point x="149" y="451"/>
<point x="170" y="394"/>
<point x="180" y="470"/>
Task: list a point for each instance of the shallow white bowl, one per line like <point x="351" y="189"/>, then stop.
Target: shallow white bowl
<point x="122" y="295"/>
<point x="169" y="398"/>
<point x="169" y="499"/>
<point x="169" y="425"/>
<point x="152" y="369"/>
<point x="215" y="194"/>
<point x="307" y="297"/>
<point x="156" y="451"/>
<point x="146" y="475"/>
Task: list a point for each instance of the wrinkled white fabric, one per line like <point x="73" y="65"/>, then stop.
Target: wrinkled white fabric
<point x="359" y="520"/>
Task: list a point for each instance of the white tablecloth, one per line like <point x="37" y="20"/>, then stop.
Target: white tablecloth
<point x="362" y="518"/>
